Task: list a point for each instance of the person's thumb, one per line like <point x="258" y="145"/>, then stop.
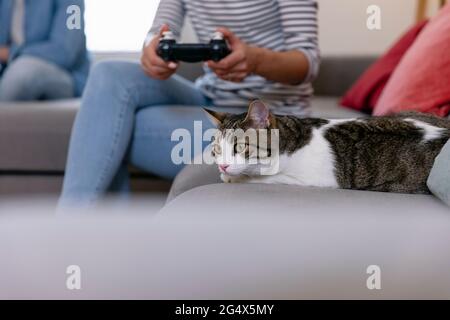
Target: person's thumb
<point x="228" y="35"/>
<point x="164" y="28"/>
<point x="172" y="65"/>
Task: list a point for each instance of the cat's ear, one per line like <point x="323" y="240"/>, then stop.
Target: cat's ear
<point x="215" y="117"/>
<point x="259" y="116"/>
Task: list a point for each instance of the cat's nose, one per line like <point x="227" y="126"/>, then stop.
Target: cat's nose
<point x="223" y="167"/>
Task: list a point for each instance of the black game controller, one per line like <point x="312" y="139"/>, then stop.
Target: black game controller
<point x="170" y="50"/>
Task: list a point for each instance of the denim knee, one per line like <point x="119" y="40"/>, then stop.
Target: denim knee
<point x="30" y="78"/>
<point x="23" y="74"/>
<point x="113" y="75"/>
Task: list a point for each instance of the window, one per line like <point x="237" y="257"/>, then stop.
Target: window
<point x="118" y="25"/>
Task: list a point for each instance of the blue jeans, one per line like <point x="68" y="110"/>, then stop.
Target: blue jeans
<point x="126" y="117"/>
<point x="28" y="78"/>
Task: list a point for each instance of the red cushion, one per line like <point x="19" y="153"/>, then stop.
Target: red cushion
<point x="364" y="94"/>
<point x="421" y="81"/>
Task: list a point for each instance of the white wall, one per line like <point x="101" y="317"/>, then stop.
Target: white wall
<point x="343" y="30"/>
<point x="342" y="25"/>
<point x="118" y="25"/>
<point x="121" y="25"/>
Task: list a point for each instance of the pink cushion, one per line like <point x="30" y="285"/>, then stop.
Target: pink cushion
<point x="364" y="93"/>
<point x="421" y="81"/>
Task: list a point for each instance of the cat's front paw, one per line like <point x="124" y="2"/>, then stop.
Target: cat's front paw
<point x="225" y="178"/>
<point x="229" y="179"/>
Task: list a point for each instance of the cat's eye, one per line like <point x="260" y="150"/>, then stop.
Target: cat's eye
<point x="217" y="149"/>
<point x="240" y="147"/>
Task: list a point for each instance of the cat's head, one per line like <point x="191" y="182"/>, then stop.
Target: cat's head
<point x="245" y="143"/>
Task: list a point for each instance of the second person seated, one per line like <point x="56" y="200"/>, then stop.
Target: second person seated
<point x="40" y="56"/>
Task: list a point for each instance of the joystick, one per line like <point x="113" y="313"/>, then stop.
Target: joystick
<point x="169" y="50"/>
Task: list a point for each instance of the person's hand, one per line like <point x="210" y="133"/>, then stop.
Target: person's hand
<point x="4" y="54"/>
<point x="239" y="63"/>
<point x="153" y="65"/>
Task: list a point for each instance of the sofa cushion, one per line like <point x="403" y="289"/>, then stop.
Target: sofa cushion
<point x="35" y="136"/>
<point x="259" y="198"/>
<point x="421" y="80"/>
<point x="328" y="107"/>
<point x="195" y="250"/>
<point x="192" y="176"/>
<point x="364" y="94"/>
<point x="439" y="179"/>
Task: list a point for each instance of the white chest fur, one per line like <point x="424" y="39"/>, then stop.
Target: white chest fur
<point x="312" y="165"/>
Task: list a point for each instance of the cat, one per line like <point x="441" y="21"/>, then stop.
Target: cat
<point x="390" y="153"/>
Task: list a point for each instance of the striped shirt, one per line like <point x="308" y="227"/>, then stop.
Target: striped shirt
<point x="278" y="25"/>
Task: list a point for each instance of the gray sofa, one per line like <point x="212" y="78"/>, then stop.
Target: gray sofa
<point x="34" y="137"/>
<point x="257" y="248"/>
<point x="215" y="240"/>
<point x="202" y="181"/>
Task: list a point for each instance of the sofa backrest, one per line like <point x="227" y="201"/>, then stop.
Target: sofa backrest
<point x="336" y="74"/>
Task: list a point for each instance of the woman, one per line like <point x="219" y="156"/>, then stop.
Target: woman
<point x="129" y="111"/>
<point x="40" y="56"/>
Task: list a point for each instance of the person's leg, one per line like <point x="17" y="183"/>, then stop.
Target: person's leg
<point x="159" y="129"/>
<point x="28" y="78"/>
<point x="167" y="138"/>
<point x="105" y="122"/>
